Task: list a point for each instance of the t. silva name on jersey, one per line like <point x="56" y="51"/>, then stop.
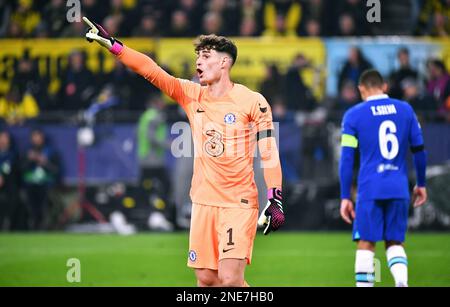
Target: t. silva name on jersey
<point x="383" y="110"/>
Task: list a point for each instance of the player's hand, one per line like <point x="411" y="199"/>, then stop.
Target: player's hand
<point x="272" y="217"/>
<point x="347" y="211"/>
<point x="419" y="196"/>
<point x="101" y="36"/>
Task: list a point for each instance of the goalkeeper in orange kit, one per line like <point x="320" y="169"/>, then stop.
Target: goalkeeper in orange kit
<point x="227" y="121"/>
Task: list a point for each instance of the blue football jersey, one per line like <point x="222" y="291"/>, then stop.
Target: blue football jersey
<point x="383" y="129"/>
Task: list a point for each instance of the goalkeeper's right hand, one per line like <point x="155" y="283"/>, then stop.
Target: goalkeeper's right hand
<point x="98" y="34"/>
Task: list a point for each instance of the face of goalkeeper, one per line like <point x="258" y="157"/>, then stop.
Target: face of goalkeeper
<point x="212" y="66"/>
<point x="215" y="57"/>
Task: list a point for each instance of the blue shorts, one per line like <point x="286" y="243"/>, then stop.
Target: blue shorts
<point x="381" y="220"/>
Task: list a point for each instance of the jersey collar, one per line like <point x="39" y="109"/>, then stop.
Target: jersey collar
<point x="377" y="97"/>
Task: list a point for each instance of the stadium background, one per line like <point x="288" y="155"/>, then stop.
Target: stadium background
<point x="304" y="56"/>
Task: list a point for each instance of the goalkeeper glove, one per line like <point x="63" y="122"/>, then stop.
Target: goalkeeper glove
<point x="98" y="34"/>
<point x="272" y="217"/>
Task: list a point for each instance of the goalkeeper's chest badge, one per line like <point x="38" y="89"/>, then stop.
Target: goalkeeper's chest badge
<point x="192" y="255"/>
<point x="230" y="118"/>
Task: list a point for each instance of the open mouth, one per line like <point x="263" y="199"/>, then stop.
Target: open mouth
<point x="199" y="72"/>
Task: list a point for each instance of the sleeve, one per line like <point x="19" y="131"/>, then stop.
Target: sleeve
<point x="349" y="131"/>
<point x="182" y="91"/>
<point x="346" y="171"/>
<point x="261" y="116"/>
<point x="349" y="143"/>
<point x="418" y="150"/>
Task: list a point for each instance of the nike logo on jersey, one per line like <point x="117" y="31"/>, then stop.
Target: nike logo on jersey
<point x="200" y="110"/>
<point x="264" y="110"/>
<point x="227" y="250"/>
<point x="383" y="110"/>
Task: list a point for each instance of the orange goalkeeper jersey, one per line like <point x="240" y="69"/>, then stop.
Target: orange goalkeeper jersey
<point x="224" y="131"/>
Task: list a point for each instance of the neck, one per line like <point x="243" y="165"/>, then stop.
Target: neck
<point x="219" y="88"/>
<point x="374" y="92"/>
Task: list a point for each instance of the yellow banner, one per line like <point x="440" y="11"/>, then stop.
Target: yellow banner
<point x="52" y="55"/>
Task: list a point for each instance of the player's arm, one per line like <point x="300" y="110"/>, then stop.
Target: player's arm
<point x="180" y="90"/>
<point x="349" y="144"/>
<point x="272" y="217"/>
<point x="420" y="162"/>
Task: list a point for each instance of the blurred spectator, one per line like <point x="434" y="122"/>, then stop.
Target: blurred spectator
<point x="25" y="17"/>
<point x="282" y="17"/>
<point x="299" y="96"/>
<point x="212" y="23"/>
<point x="112" y="24"/>
<point x="78" y="86"/>
<point x="14" y="30"/>
<point x="289" y="152"/>
<point x="5" y="15"/>
<point x="180" y="25"/>
<point x="248" y="27"/>
<point x="434" y="18"/>
<point x="148" y="27"/>
<point x="249" y="17"/>
<point x="194" y="10"/>
<point x="93" y="9"/>
<point x="313" y="28"/>
<point x="41" y="170"/>
<point x="16" y="107"/>
<point x="438" y="86"/>
<point x="119" y="79"/>
<point x="75" y="29"/>
<point x="353" y="67"/>
<point x="423" y="104"/>
<point x="316" y="18"/>
<point x="272" y="86"/>
<point x="352" y="18"/>
<point x="348" y="97"/>
<point x="27" y="79"/>
<point x="405" y="71"/>
<point x="225" y="10"/>
<point x="347" y="26"/>
<point x="54" y="21"/>
<point x="152" y="149"/>
<point x="9" y="181"/>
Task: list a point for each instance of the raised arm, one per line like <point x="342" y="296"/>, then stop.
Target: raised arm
<point x="182" y="91"/>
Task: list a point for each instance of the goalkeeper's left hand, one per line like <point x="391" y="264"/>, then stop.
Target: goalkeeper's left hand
<point x="272" y="217"/>
<point x="101" y="36"/>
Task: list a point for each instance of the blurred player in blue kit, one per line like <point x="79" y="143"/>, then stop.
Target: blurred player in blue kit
<point x="383" y="130"/>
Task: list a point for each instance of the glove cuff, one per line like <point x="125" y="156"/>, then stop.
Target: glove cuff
<point x="274" y="193"/>
<point x="116" y="47"/>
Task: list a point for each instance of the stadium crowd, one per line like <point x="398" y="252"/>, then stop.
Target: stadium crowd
<point x="28" y="97"/>
<point x="187" y="18"/>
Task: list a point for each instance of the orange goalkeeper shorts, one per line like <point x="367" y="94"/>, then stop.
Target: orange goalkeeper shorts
<point x="220" y="233"/>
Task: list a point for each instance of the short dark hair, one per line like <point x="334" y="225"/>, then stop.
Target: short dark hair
<point x="218" y="43"/>
<point x="371" y="78"/>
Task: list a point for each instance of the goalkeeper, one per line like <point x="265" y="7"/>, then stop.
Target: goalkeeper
<point x="227" y="121"/>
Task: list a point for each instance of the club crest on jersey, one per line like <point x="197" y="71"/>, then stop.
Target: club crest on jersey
<point x="192" y="255"/>
<point x="230" y="118"/>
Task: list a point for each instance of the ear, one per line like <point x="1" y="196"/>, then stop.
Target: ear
<point x="385" y="87"/>
<point x="225" y="62"/>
